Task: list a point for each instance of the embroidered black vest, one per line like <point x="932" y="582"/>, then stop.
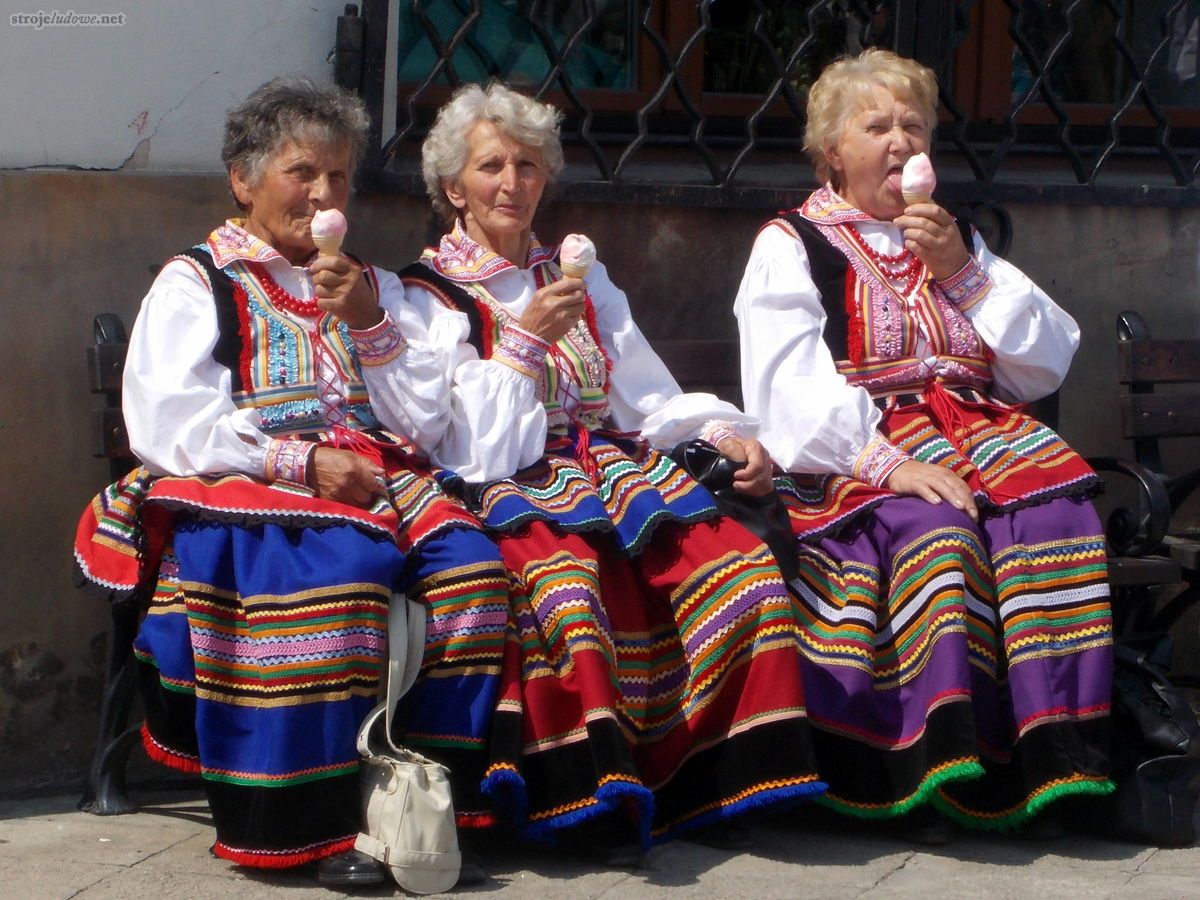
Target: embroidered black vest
<point x="578" y="353"/>
<point x="270" y="359"/>
<point x="830" y="269"/>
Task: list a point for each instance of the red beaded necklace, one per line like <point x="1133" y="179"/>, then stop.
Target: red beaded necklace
<point x="910" y="268"/>
<point x="280" y="298"/>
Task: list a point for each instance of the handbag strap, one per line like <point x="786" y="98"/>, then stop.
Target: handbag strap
<point x="406" y="647"/>
<point x="371" y="745"/>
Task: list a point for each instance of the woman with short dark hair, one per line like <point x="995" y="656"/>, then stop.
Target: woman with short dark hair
<point x="272" y="398"/>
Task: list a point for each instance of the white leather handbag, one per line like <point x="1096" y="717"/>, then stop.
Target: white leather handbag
<point x="409" y="815"/>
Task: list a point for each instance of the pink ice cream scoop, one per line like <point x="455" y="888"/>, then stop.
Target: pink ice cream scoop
<point x="576" y="255"/>
<point x="328" y="231"/>
<point x="917" y="181"/>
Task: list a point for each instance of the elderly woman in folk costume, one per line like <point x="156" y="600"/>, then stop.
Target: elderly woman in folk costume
<point x="278" y="507"/>
<point x="965" y="662"/>
<point x="651" y="684"/>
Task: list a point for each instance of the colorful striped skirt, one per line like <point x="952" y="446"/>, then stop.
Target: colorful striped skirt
<point x="263" y="645"/>
<point x="947" y="662"/>
<point x="652" y="665"/>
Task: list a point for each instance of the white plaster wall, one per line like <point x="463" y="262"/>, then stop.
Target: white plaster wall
<point x="150" y="94"/>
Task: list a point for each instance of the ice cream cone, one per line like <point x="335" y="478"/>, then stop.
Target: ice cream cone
<point x="917" y="179"/>
<point x="576" y="255"/>
<point x="329" y="246"/>
<point x="328" y="230"/>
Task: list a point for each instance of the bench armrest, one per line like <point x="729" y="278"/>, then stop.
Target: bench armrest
<point x="1138" y="531"/>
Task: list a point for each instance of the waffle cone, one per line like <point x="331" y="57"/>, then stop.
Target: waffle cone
<point x="329" y="246"/>
<point x="910" y="199"/>
<point x="574" y="271"/>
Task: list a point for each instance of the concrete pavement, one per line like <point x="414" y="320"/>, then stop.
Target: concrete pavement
<point x="49" y="850"/>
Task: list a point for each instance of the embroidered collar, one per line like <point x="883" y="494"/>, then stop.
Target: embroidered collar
<point x="826" y="207"/>
<point x="232" y="242"/>
<point x="460" y="258"/>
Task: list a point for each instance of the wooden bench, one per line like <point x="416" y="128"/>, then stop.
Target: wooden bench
<point x="1151" y="542"/>
<point x="1135" y="533"/>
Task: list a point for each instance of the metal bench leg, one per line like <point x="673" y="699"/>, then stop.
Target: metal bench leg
<point x="104" y="794"/>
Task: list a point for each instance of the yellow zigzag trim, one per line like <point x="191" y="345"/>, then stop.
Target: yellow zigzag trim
<point x="1041" y="638"/>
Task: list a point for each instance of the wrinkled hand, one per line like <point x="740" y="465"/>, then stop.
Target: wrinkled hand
<point x="930" y="233"/>
<point x="554" y="309"/>
<point x="344" y="476"/>
<point x="342" y="290"/>
<point x="755" y="477"/>
<point x="933" y="484"/>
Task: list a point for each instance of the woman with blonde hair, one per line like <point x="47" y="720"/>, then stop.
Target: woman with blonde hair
<point x="652" y="683"/>
<point x="964" y="663"/>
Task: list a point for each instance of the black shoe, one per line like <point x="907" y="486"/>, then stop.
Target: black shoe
<point x="352" y="868"/>
<point x="732" y="836"/>
<point x="471" y="872"/>
<point x="926" y="826"/>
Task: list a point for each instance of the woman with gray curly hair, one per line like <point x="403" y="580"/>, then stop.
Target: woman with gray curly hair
<point x="278" y="505"/>
<point x="653" y="689"/>
<point x="888" y="353"/>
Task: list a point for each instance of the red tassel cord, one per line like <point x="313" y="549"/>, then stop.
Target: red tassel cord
<point x="855" y="338"/>
<point x="945" y="408"/>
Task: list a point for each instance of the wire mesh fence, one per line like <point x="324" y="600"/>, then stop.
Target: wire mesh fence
<point x="1076" y="98"/>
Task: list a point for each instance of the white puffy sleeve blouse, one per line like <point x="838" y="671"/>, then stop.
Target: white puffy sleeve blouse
<point x="497" y="423"/>
<point x="177" y="401"/>
<point x="812" y="419"/>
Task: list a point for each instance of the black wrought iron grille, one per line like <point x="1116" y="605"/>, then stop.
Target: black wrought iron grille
<point x="1094" y="100"/>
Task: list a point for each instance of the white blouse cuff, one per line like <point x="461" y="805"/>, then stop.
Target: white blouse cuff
<point x="878" y="460"/>
<point x="522" y="351"/>
<point x="379" y="344"/>
<point x="967" y="286"/>
<point x="716" y="430"/>
<point x="287" y="461"/>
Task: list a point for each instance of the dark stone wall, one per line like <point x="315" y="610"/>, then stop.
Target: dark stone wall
<point x="80" y="243"/>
